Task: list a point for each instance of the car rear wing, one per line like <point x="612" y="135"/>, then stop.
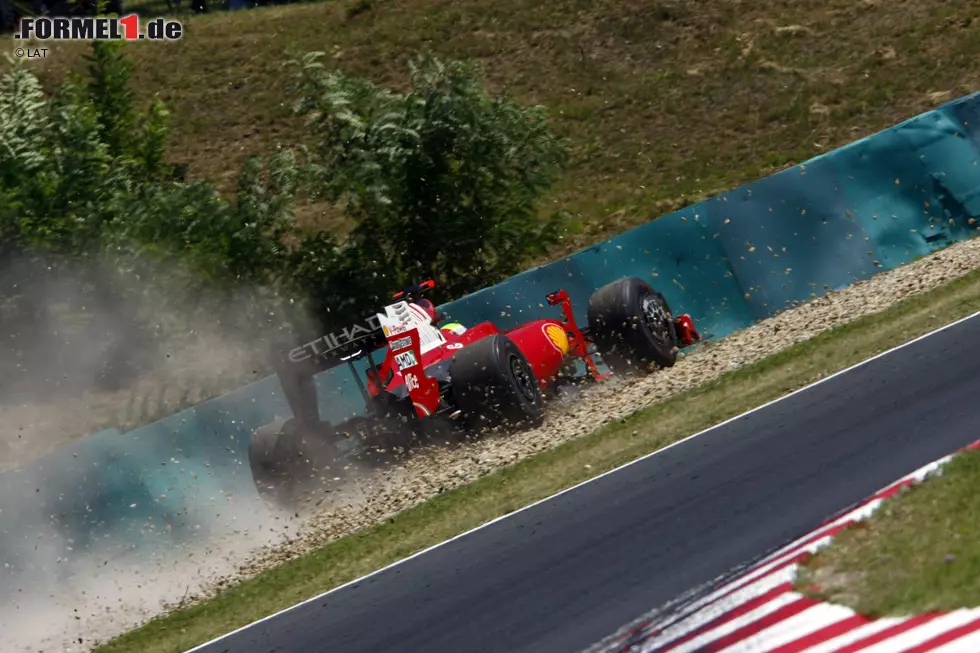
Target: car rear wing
<point x="334" y="348"/>
<point x="296" y="365"/>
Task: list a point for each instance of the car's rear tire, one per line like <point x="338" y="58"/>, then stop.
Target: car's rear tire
<point x="493" y="385"/>
<point x="286" y="461"/>
<point x="632" y="326"/>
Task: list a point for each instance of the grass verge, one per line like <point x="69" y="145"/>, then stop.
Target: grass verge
<point x="534" y="478"/>
<point x="919" y="552"/>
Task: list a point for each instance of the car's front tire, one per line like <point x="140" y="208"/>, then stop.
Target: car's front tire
<point x="632" y="326"/>
<point x="493" y="385"/>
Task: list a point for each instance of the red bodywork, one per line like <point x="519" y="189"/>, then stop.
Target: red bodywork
<point x="686" y="333"/>
<point x="545" y="343"/>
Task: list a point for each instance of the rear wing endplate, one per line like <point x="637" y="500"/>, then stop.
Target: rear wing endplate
<point x="296" y="365"/>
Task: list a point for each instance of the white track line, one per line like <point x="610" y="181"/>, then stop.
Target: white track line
<point x="855" y="635"/>
<point x="591" y="480"/>
<point x="809" y="621"/>
<point x="966" y="644"/>
<point x="687" y="623"/>
<point x="923" y="633"/>
<point x="701" y="614"/>
<point x="666" y="643"/>
<point x="713" y="606"/>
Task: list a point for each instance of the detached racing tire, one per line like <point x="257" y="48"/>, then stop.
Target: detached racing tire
<point x="632" y="326"/>
<point x="494" y="385"/>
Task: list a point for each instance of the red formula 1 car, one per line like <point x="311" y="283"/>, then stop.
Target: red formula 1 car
<point x="474" y="378"/>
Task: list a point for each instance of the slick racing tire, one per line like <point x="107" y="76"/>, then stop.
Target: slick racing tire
<point x="285" y="460"/>
<point x="632" y="326"/>
<point x="272" y="457"/>
<point x="493" y="385"/>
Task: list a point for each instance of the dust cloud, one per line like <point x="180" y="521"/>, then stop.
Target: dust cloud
<point x="86" y="347"/>
<point x="72" y="604"/>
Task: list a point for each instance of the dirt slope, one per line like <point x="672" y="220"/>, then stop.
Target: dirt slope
<point x="662" y="100"/>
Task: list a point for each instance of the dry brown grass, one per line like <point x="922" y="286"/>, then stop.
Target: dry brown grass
<point x="663" y="101"/>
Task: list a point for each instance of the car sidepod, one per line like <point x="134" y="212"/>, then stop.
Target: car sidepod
<point x="545" y="345"/>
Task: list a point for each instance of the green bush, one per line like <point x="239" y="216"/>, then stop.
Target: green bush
<point x="438" y="182"/>
<point x="88" y="207"/>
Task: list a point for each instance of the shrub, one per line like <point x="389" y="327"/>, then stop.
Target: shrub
<point x="440" y="181"/>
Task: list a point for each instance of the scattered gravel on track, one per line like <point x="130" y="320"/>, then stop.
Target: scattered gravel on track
<point x="370" y="498"/>
<point x="431" y="471"/>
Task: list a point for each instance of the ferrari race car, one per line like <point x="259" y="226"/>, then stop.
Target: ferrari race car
<point x="466" y="378"/>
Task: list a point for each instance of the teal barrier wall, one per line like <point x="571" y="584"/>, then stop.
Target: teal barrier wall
<point x="729" y="261"/>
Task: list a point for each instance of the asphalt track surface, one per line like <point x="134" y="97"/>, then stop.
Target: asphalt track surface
<point x="570" y="571"/>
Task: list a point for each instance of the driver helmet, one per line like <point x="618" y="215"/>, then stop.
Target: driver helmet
<point x="426" y="306"/>
<point x="454" y="327"/>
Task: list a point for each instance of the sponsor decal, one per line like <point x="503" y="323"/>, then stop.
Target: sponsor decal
<point x="557" y="336"/>
<point x="399" y="328"/>
<point x="455" y="345"/>
<point x="406" y="360"/>
<point x="412" y="382"/>
<point x="327" y="343"/>
<point x="401" y="343"/>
